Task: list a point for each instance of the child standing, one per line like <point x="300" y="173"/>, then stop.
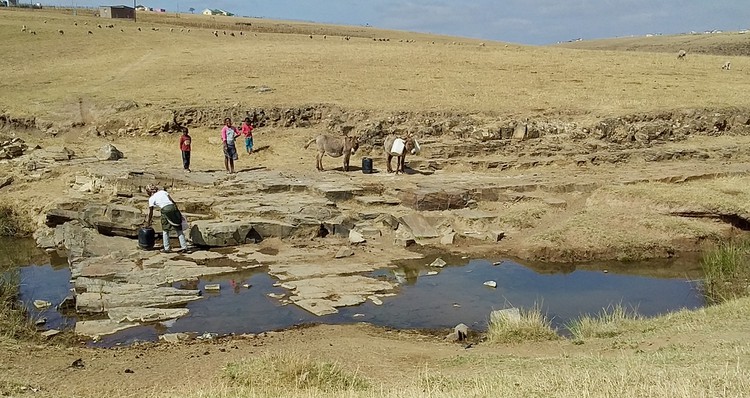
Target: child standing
<point x="247" y="131"/>
<point x="185" y="148"/>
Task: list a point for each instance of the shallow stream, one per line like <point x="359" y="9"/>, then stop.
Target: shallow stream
<point x="456" y="294"/>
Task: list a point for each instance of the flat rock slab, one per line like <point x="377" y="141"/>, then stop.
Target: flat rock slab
<point x="419" y="226"/>
<point x="338" y="191"/>
<point x="288" y="272"/>
<point x="98" y="328"/>
<point x="378" y="200"/>
<point x="472" y="214"/>
<point x="322" y="295"/>
<point x="204" y="256"/>
<point x="103" y="267"/>
<point x="142" y="315"/>
<point x="101" y="296"/>
<point x="172" y="271"/>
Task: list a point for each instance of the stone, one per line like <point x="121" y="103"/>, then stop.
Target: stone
<point x="214" y="287"/>
<point x="356" y="237"/>
<point x="109" y="152"/>
<point x="338" y="192"/>
<point x="5" y="181"/>
<point x="404" y="242"/>
<point x="375" y="300"/>
<point x="219" y="234"/>
<point x="491" y="284"/>
<point x="321" y="296"/>
<point x="556" y="203"/>
<point x="57" y="217"/>
<point x="434" y="198"/>
<point x="448" y="239"/>
<point x="419" y="227"/>
<point x="439" y="263"/>
<point x="98" y="328"/>
<point x="136" y="314"/>
<point x="495" y="236"/>
<point x="42" y="304"/>
<point x="461" y="331"/>
<point x="175" y="337"/>
<point x="512" y="315"/>
<point x="48" y="334"/>
<point x="58" y="153"/>
<point x="101" y="296"/>
<point x="278" y="229"/>
<point x="344" y="252"/>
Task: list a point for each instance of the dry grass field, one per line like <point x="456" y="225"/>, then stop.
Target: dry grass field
<point x="618" y="194"/>
<point x="46" y="74"/>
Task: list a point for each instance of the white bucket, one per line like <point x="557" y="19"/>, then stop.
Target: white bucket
<point x="398" y="147"/>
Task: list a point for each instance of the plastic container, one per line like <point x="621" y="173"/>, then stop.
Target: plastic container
<point x="398" y="147"/>
<point x="367" y="165"/>
<point x="146" y="238"/>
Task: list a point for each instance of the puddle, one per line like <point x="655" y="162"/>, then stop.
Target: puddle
<point x="456" y="294"/>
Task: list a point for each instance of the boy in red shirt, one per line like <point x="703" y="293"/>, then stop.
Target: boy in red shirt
<point x="247" y="131"/>
<point x="185" y="148"/>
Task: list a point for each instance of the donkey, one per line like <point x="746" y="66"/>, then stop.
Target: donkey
<point x="409" y="146"/>
<point x="334" y="147"/>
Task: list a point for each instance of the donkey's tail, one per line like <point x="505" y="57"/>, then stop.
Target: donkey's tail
<point x="310" y="142"/>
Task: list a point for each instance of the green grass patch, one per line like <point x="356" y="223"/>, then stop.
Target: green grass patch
<point x="271" y="373"/>
<point x="610" y="322"/>
<point x="531" y="325"/>
<point x="727" y="271"/>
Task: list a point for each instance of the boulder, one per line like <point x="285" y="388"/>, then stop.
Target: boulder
<point x="220" y="233"/>
<point x="434" y="198"/>
<point x="344" y="252"/>
<point x="508" y="315"/>
<point x="356" y="237"/>
<point x="109" y="152"/>
<point x="58" y="153"/>
<point x="419" y="227"/>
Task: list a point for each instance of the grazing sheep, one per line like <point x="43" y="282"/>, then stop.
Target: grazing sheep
<point x="242" y="34"/>
<point x="75" y="23"/>
<point x="23" y="28"/>
<point x="481" y="44"/>
<point x="91" y="33"/>
<point x="311" y="36"/>
<point x="171" y="30"/>
<point x="99" y="26"/>
<point x="188" y="31"/>
<point x="216" y="33"/>
<point x="681" y="54"/>
<point x="727" y="65"/>
<point x="60" y="32"/>
<point x="45" y="21"/>
<point x="139" y="29"/>
<point x="231" y="34"/>
<point x="33" y="33"/>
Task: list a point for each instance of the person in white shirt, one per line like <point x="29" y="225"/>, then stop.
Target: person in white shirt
<point x="170" y="216"/>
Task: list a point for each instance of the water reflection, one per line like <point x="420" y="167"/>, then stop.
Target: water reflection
<point x="454" y="294"/>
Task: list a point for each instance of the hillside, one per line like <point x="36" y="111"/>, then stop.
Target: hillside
<point x="727" y="44"/>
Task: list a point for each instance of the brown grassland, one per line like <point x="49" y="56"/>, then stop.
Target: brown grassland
<point x="702" y="353"/>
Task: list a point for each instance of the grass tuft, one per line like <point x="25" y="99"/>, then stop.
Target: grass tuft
<point x="727" y="272"/>
<point x="283" y="372"/>
<point x="12" y="223"/>
<point x="14" y="324"/>
<point x="610" y="322"/>
<point x="532" y="325"/>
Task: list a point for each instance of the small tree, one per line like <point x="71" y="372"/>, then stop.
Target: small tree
<point x="191" y="9"/>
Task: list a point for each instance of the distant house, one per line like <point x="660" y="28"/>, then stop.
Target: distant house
<point x="217" y="11"/>
<point x="124" y="12"/>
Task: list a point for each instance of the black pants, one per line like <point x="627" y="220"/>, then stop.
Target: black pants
<point x="186" y="159"/>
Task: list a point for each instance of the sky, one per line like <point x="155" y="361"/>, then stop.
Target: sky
<point x="535" y="22"/>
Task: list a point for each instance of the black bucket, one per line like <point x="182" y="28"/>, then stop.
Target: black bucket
<point x="367" y="165"/>
<point x="146" y="238"/>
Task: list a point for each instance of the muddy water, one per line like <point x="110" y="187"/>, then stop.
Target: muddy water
<point x="456" y="294"/>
